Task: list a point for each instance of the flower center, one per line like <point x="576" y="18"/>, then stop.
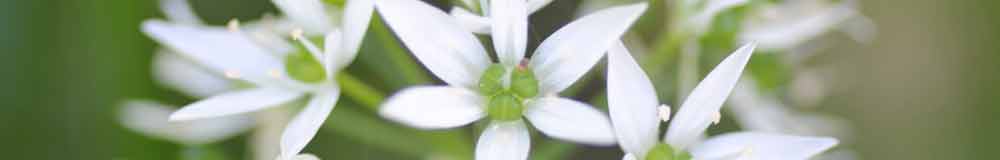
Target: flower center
<point x="302" y="66"/>
<point x="507" y="91"/>
<point x="663" y="151"/>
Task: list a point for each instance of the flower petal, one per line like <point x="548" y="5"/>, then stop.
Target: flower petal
<point x="179" y="11"/>
<point x="150" y="118"/>
<point x="703" y="18"/>
<point x="504" y="141"/>
<point x="510" y="30"/>
<point x="570" y="120"/>
<point x="218" y="49"/>
<point x="569" y="52"/>
<point x="310" y="14"/>
<point x="535" y="5"/>
<point x="433" y="107"/>
<point x="186" y="76"/>
<point x="334" y="56"/>
<point x="786" y="32"/>
<point x="700" y="108"/>
<point x="304" y="126"/>
<point x="471" y="21"/>
<point x="632" y="102"/>
<point x="750" y="145"/>
<point x="629" y="156"/>
<point x="357" y="15"/>
<point x="235" y="102"/>
<point x="437" y="40"/>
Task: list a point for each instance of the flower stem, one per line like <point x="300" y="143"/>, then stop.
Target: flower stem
<point x="367" y="96"/>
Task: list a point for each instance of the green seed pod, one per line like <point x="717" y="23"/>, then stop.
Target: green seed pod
<point x="491" y="82"/>
<point x="505" y="107"/>
<point x="523" y="83"/>
<point x="660" y="152"/>
<point x="304" y="67"/>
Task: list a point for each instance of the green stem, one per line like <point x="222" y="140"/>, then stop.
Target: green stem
<point x="552" y="149"/>
<point x="367" y="96"/>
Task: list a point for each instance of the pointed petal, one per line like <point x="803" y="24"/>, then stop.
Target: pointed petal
<point x="218" y="49"/>
<point x="334" y="56"/>
<point x="789" y="31"/>
<point x="510" y="30"/>
<point x="702" y="19"/>
<point x="235" y="102"/>
<point x="629" y="156"/>
<point x="357" y="15"/>
<point x="569" y="52"/>
<point x="632" y="102"/>
<point x="186" y="76"/>
<point x="150" y="118"/>
<point x="304" y="126"/>
<point x="433" y="107"/>
<point x="705" y="101"/>
<point x="437" y="40"/>
<point x="535" y="5"/>
<point x="311" y="15"/>
<point x="570" y="120"/>
<point x="749" y="145"/>
<point x="471" y="21"/>
<point x="504" y="141"/>
<point x="179" y="11"/>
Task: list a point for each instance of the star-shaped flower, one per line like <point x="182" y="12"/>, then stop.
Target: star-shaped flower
<point x="279" y="74"/>
<point x="632" y="103"/>
<point x="507" y="90"/>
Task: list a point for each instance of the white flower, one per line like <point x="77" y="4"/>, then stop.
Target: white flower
<point x="185" y="76"/>
<point x="150" y="118"/>
<point x="764" y="113"/>
<point x="481" y="23"/>
<point x="508" y="90"/>
<point x="632" y="104"/>
<point x="791" y="23"/>
<point x="280" y="74"/>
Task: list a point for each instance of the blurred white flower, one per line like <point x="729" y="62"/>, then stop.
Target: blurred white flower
<point x="764" y="113"/>
<point x="632" y="104"/>
<point x="481" y="23"/>
<point x="509" y="90"/>
<point x="280" y="73"/>
<point x="788" y="24"/>
<point x="150" y="119"/>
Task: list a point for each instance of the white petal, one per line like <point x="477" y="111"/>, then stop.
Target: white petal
<point x="632" y="102"/>
<point x="705" y="101"/>
<point x="311" y="15"/>
<point x="570" y="120"/>
<point x="218" y="49"/>
<point x="334" y="56"/>
<point x="186" y="76"/>
<point x="749" y="145"/>
<point x="150" y="118"/>
<point x="179" y="11"/>
<point x="235" y="102"/>
<point x="569" y="52"/>
<point x="510" y="30"/>
<point x="504" y="141"/>
<point x="535" y="5"/>
<point x="433" y="107"/>
<point x="702" y="19"/>
<point x="305" y="156"/>
<point x="471" y="21"/>
<point x="357" y="15"/>
<point x="437" y="40"/>
<point x="785" y="32"/>
<point x="304" y="126"/>
<point x="629" y="156"/>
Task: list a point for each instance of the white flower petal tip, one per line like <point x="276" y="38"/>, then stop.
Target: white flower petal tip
<point x="572" y="50"/>
<point x="437" y="40"/>
<point x="433" y="107"/>
<point x="702" y="106"/>
<point x="235" y="102"/>
<point x="632" y="102"/>
<point x="664" y="112"/>
<point x="570" y="120"/>
<point x="762" y="146"/>
<point x="471" y="21"/>
<point x="357" y="17"/>
<point x="150" y="118"/>
<point x="304" y="126"/>
<point x="504" y="141"/>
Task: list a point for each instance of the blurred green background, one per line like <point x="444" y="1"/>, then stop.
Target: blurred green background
<point x="924" y="89"/>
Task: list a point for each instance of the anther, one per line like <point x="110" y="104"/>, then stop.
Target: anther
<point x="233" y="25"/>
<point x="297" y="34"/>
<point x="664" y="112"/>
<point x="716" y="118"/>
<point x="232" y="74"/>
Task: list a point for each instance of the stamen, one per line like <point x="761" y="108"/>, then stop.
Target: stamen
<point x="232" y="74"/>
<point x="297" y="34"/>
<point x="664" y="111"/>
<point x="274" y="73"/>
<point x="233" y="25"/>
<point x="716" y="118"/>
<point x="310" y="46"/>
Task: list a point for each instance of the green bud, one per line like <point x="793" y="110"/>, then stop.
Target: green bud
<point x="340" y="3"/>
<point x="663" y="151"/>
<point x="302" y="66"/>
<point x="505" y="107"/>
<point x="491" y="82"/>
<point x="523" y="83"/>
